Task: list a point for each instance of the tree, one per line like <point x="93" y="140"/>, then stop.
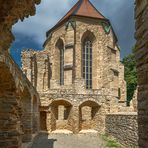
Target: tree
<point x="130" y="75"/>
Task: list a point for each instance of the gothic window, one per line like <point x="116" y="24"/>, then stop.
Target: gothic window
<point x="60" y="59"/>
<point x="87" y="63"/>
<point x="62" y="66"/>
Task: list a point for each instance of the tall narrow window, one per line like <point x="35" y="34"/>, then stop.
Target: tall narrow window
<point x="59" y="57"/>
<point x="61" y="66"/>
<point x="87" y="63"/>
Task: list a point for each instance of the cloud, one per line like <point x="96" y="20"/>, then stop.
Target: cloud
<point x="120" y="12"/>
<point x="48" y="12"/>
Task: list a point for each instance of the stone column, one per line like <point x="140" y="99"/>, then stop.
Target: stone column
<point x="78" y="57"/>
<point x="75" y="119"/>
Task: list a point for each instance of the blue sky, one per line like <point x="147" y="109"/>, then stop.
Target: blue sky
<point x="31" y="33"/>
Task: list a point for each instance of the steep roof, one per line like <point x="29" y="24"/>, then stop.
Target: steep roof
<point x="82" y="8"/>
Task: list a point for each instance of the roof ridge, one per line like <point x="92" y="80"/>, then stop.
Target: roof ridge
<point x="69" y="11"/>
<point x="78" y="6"/>
<point x="83" y="8"/>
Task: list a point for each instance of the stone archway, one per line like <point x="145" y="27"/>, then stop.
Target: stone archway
<point x="10" y="113"/>
<point x="61" y="115"/>
<point x="88" y="115"/>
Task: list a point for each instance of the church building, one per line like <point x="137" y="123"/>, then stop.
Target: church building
<point x="78" y="74"/>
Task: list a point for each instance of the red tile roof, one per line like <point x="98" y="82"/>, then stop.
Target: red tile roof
<point x="83" y="8"/>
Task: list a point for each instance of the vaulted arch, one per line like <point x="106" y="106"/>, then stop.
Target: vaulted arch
<point x="88" y="114"/>
<point x="88" y="35"/>
<point x="61" y="115"/>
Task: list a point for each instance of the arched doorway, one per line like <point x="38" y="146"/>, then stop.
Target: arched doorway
<point x="43" y="119"/>
<point x="88" y="114"/>
<point x="61" y="115"/>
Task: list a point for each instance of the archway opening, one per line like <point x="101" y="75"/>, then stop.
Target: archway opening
<point x="43" y="119"/>
<point x="61" y="114"/>
<point x="88" y="114"/>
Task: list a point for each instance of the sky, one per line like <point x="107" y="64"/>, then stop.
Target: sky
<point x="31" y="33"/>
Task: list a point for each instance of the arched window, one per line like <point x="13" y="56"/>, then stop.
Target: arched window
<point x="60" y="59"/>
<point x="62" y="66"/>
<point x="87" y="62"/>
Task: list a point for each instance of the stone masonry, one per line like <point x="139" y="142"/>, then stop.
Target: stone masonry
<point x="16" y="92"/>
<point x="66" y="102"/>
<point x="141" y="16"/>
<point x="123" y="127"/>
<point x="13" y="101"/>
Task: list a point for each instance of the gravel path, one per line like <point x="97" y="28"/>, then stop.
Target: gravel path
<point x="68" y="141"/>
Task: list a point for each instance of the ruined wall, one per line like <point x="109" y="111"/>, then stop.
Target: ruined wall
<point x="107" y="76"/>
<point x="123" y="127"/>
<point x="11" y="12"/>
<point x="10" y="83"/>
<point x="107" y="70"/>
<point x="10" y="125"/>
<point x="16" y="105"/>
<point x="76" y="121"/>
<point x="141" y="16"/>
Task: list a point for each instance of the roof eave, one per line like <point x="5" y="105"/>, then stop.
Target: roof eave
<point x="62" y="22"/>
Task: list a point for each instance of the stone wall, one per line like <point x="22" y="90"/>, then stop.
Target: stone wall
<point x="141" y="16"/>
<point x="43" y="68"/>
<point x="107" y="71"/>
<point x="19" y="105"/>
<point x="12" y="81"/>
<point x="75" y="118"/>
<point x="123" y="127"/>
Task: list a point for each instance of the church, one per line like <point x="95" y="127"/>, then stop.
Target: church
<point x="78" y="74"/>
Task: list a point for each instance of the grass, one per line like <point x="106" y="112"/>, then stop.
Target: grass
<point x="111" y="143"/>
